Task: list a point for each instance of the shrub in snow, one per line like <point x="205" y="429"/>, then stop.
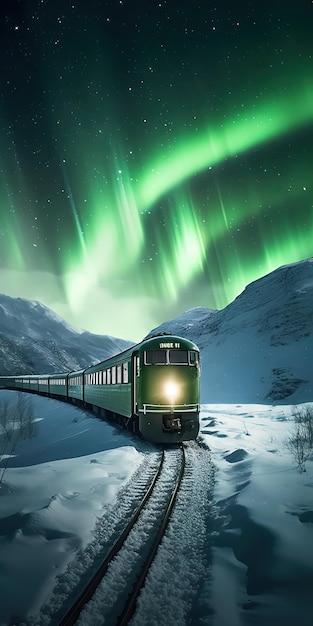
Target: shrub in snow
<point x="16" y="423"/>
<point x="300" y="441"/>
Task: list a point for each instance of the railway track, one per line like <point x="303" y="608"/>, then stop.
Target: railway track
<point x="110" y="596"/>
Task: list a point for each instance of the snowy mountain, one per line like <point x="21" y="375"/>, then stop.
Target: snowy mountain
<point x="260" y="347"/>
<point x="34" y="339"/>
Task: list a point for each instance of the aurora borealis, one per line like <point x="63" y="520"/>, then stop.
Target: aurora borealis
<point x="154" y="156"/>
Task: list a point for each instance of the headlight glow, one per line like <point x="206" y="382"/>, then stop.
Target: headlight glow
<point x="171" y="390"/>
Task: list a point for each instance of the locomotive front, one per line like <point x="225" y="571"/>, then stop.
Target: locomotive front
<point x="167" y="373"/>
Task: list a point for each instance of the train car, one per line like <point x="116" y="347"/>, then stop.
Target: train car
<point x="33" y="384"/>
<point x="43" y="384"/>
<point x="108" y="385"/>
<point x="7" y="382"/>
<point x="57" y="384"/>
<point x="152" y="388"/>
<point x="75" y="385"/>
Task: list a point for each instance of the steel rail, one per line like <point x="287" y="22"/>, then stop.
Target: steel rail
<point x="73" y="613"/>
<point x="130" y="606"/>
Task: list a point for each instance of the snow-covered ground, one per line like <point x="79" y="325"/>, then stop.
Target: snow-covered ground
<point x="263" y="546"/>
<point x="73" y="474"/>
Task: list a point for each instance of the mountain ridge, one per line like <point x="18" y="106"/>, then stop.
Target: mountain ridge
<point x="36" y="340"/>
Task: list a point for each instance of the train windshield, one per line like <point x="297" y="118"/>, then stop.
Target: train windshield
<point x="156" y="357"/>
<point x="178" y="356"/>
<point x="163" y="357"/>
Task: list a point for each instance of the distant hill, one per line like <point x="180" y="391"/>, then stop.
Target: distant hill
<point x="34" y="339"/>
<point x="260" y="347"/>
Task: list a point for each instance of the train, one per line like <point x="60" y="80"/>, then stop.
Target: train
<point x="151" y="389"/>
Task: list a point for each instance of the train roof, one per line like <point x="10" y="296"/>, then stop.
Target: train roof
<point x="167" y="341"/>
<point x="77" y="372"/>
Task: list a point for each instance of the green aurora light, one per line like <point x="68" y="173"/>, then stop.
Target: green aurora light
<point x="184" y="244"/>
<point x="170" y="193"/>
<point x="251" y="128"/>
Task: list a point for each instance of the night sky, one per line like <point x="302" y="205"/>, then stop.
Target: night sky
<point x="154" y="156"/>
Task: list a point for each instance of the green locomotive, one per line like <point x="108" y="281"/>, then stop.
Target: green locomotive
<point x="151" y="389"/>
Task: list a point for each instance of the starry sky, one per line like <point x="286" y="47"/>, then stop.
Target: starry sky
<point x="154" y="155"/>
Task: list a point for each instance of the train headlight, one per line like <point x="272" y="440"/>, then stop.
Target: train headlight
<point x="171" y="391"/>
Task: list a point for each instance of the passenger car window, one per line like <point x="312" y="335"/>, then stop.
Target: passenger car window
<point x="125" y="372"/>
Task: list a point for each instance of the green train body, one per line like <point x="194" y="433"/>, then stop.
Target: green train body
<point x="152" y="388"/>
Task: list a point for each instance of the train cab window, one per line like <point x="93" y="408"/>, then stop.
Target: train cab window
<point x="155" y="357"/>
<point x="193" y="358"/>
<point x="125" y="372"/>
<point x="179" y="357"/>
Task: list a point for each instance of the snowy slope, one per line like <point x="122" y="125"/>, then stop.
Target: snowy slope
<point x="34" y="339"/>
<point x="260" y="347"/>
